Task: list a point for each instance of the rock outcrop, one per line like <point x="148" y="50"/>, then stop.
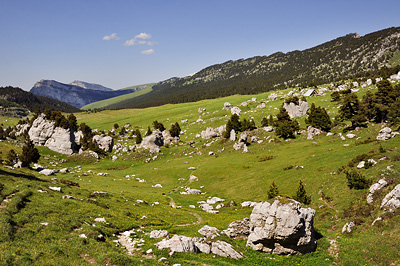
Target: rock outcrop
<point x="282" y="228"/>
<point x="44" y="133"/>
<point x="178" y="244"/>
<point x="296" y="110"/>
<point x="224" y="249"/>
<point x="238" y="228"/>
<point x="312" y="132"/>
<point x="392" y="200"/>
<point x="384" y="134"/>
<point x="153" y="142"/>
<point x="105" y="143"/>
<point x="374" y="188"/>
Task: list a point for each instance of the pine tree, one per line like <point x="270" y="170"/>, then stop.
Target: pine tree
<point x="12" y="157"/>
<point x="273" y="191"/>
<point x="158" y="125"/>
<point x="301" y="195"/>
<point x="72" y="122"/>
<point x="284" y="126"/>
<point x="264" y="122"/>
<point x="29" y="154"/>
<point x="138" y="136"/>
<point x="148" y="132"/>
<point x="318" y="118"/>
<point x="175" y="130"/>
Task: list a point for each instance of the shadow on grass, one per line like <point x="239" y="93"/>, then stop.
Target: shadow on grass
<point x="20" y="175"/>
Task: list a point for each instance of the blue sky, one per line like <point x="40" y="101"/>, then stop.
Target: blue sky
<point x="121" y="43"/>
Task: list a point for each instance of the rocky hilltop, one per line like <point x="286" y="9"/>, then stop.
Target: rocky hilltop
<point x="90" y="86"/>
<point x="334" y="60"/>
<point x="78" y="95"/>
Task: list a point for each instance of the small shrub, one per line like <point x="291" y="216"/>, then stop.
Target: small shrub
<point x="356" y="180"/>
<point x="273" y="191"/>
<point x="266" y="158"/>
<point x="288" y="167"/>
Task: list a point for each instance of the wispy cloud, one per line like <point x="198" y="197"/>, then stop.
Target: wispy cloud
<point x="112" y="36"/>
<point x="139" y="39"/>
<point x="150" y="51"/>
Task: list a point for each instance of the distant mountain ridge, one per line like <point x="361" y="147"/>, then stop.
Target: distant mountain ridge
<point x="331" y="61"/>
<point x="76" y="95"/>
<point x="17" y="102"/>
<point x="90" y="86"/>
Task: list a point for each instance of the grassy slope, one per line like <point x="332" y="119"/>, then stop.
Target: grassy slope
<point x="229" y="174"/>
<point x="114" y="100"/>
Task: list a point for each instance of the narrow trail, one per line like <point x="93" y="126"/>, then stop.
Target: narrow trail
<point x="198" y="217"/>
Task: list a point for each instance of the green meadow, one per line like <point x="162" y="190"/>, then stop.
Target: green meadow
<point x="42" y="228"/>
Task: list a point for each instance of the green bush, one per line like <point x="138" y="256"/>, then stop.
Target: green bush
<point x="356" y="180"/>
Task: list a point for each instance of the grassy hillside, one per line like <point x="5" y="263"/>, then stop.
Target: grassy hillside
<point x="116" y="100"/>
<point x="228" y="174"/>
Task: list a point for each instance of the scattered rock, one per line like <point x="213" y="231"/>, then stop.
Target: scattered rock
<point x="273" y="97"/>
<point x="384" y="134"/>
<point x="376" y="220"/>
<point x="232" y="135"/>
<point x="350" y="136"/>
<point x="348" y="227"/>
<point x="312" y="132"/>
<point x="203" y="247"/>
<point x="105" y="143"/>
<point x="282" y="228"/>
<point x="248" y="204"/>
<point x="238" y="228"/>
<point x="227" y="106"/>
<point x="235" y="111"/>
<point x="268" y="129"/>
<point x="209" y="231"/>
<point x="221" y="248"/>
<point x="254" y="139"/>
<point x="100" y="220"/>
<point x="55" y="189"/>
<point x="374" y="188"/>
<point x="159" y="234"/>
<point x="214" y="200"/>
<point x="392" y="200"/>
<point x="178" y="244"/>
<point x="295" y="110"/>
<point x="209" y="133"/>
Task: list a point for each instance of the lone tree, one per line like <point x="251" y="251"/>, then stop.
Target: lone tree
<point x="29" y="154"/>
<point x="175" y="130"/>
<point x="301" y="195"/>
<point x="273" y="191"/>
<point x="158" y="125"/>
<point x="319" y="118"/>
<point x="138" y="136"/>
<point x="148" y="132"/>
<point x="284" y="126"/>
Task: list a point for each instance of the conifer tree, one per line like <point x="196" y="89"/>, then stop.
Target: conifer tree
<point x="318" y="118"/>
<point x="138" y="136"/>
<point x="301" y="195"/>
<point x="284" y="126"/>
<point x="148" y="132"/>
<point x="29" y="154"/>
<point x="273" y="191"/>
<point x="175" y="130"/>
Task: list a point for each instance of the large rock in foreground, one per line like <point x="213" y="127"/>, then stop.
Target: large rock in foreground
<point x="153" y="142"/>
<point x="282" y="228"/>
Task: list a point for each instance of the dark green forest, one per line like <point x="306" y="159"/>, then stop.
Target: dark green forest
<point x="348" y="57"/>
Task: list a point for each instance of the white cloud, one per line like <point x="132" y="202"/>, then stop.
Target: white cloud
<point x="143" y="36"/>
<point x="150" y="51"/>
<point x="139" y="40"/>
<point x="112" y="36"/>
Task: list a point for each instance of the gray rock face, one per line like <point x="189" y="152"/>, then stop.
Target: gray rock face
<point x="153" y="142"/>
<point x="238" y="228"/>
<point x="105" y="143"/>
<point x="392" y="200"/>
<point x="62" y="141"/>
<point x="209" y="231"/>
<point x="159" y="234"/>
<point x="44" y="132"/>
<point x="203" y="247"/>
<point x="348" y="227"/>
<point x="235" y="111"/>
<point x="384" y="134"/>
<point x="374" y="188"/>
<point x="282" y="228"/>
<point x="77" y="96"/>
<point x="296" y="110"/>
<point x="312" y="132"/>
<point x="178" y="244"/>
<point x="41" y="130"/>
<point x="209" y="133"/>
<point x="221" y="248"/>
<point x="227" y="106"/>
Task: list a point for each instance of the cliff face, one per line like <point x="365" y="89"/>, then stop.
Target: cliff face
<point x="74" y="95"/>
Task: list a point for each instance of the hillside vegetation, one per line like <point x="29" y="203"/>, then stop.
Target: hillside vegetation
<point x="43" y="228"/>
<point x="113" y="103"/>
<point x="16" y="101"/>
<point x="339" y="59"/>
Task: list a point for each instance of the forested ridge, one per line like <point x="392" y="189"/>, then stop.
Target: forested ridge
<point x="345" y="57"/>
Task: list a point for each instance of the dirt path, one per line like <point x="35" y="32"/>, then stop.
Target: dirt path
<point x="199" y="218"/>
